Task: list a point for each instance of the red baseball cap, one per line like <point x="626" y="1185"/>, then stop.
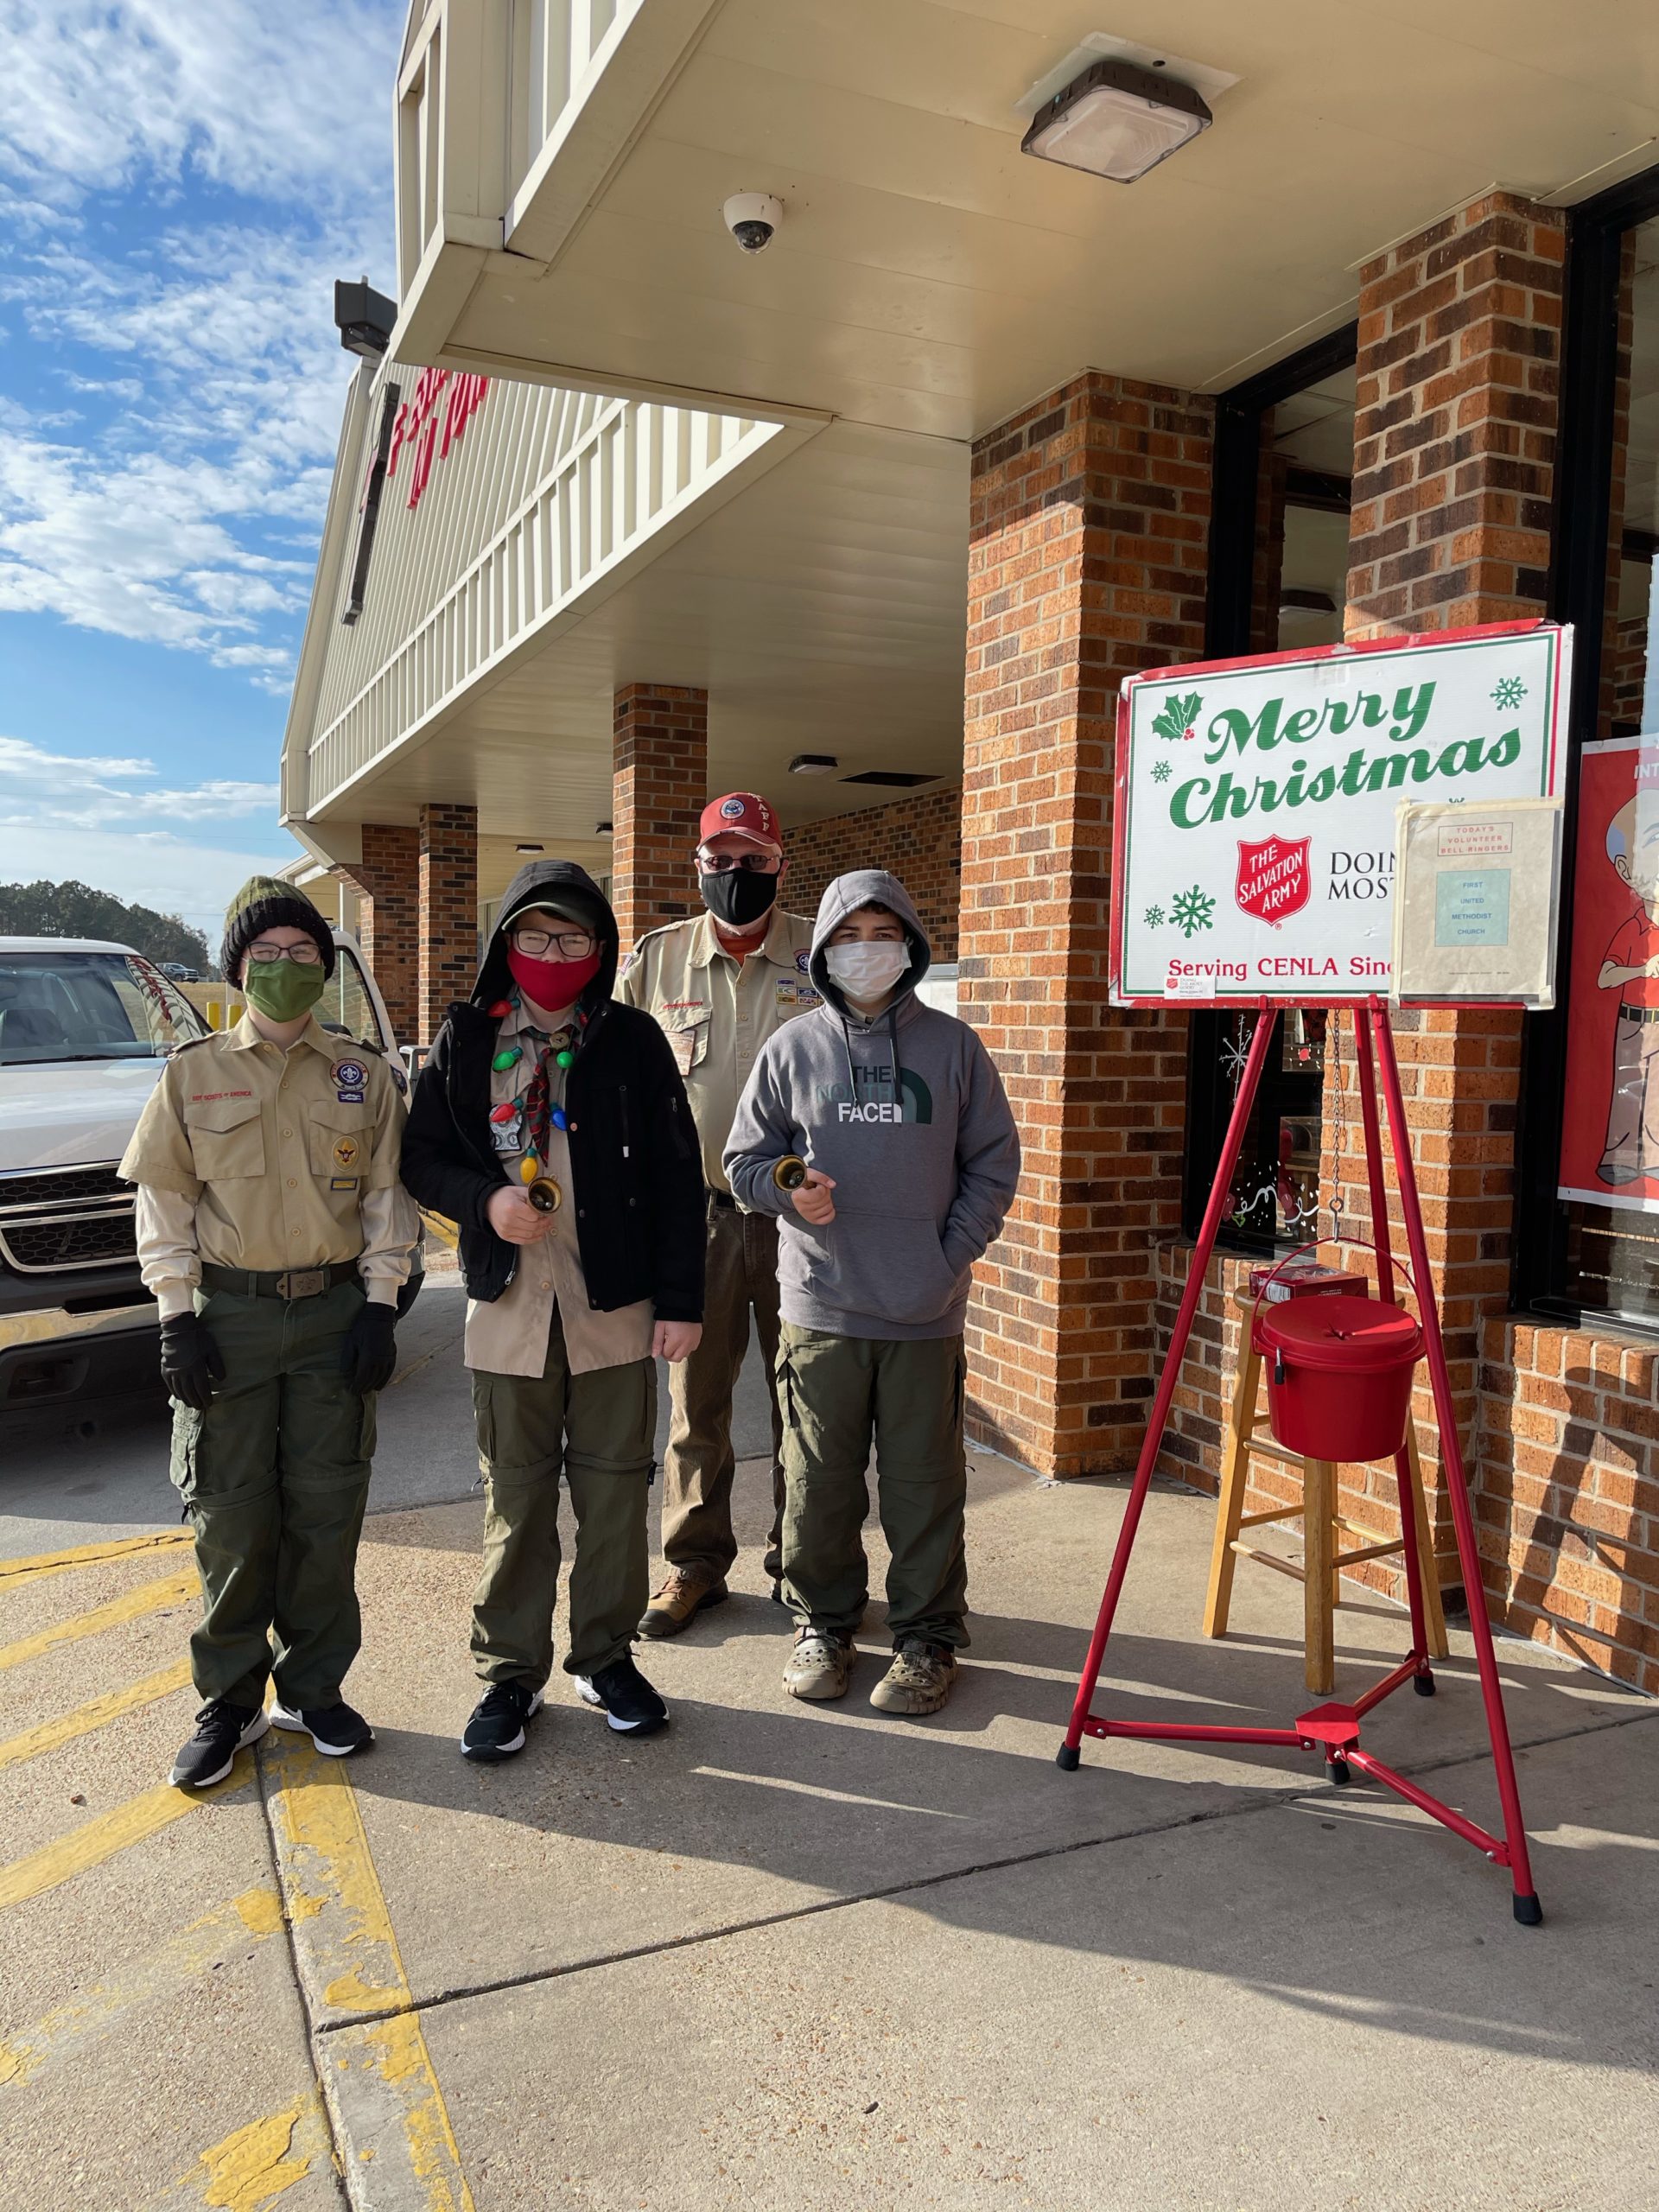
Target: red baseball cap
<point x="741" y="814"/>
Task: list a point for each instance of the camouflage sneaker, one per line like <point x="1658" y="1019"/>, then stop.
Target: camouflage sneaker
<point x="918" y="1680"/>
<point x="686" y="1591"/>
<point x="820" y="1664"/>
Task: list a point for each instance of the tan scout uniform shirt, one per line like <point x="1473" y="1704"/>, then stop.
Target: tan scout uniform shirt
<point x="249" y="1156"/>
<point x="718" y="1012"/>
<point x="508" y="1335"/>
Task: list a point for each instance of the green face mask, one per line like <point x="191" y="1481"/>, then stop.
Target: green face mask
<point x="281" y="990"/>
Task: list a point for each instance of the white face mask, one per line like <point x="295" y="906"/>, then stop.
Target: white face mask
<point x="867" y="971"/>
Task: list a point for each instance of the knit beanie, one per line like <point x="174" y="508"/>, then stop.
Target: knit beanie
<point x="265" y="902"/>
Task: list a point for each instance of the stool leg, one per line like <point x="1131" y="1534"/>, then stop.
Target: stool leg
<point x="1318" y="1489"/>
<point x="1229" y="1507"/>
<point x="1428" y="1574"/>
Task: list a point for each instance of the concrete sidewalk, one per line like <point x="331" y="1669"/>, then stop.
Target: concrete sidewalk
<point x="787" y="1955"/>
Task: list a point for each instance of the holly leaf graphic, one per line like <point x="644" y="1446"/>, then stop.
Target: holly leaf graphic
<point x="1176" y="716"/>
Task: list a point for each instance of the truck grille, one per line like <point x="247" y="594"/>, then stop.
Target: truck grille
<point x="64" y="1217"/>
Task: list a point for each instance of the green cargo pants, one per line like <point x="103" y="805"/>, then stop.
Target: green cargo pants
<point x="275" y="1476"/>
<point x="839" y="1393"/>
<point x="600" y="1429"/>
<point x="742" y="1271"/>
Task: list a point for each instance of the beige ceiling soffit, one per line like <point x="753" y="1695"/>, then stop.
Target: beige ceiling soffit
<point x="333" y="844"/>
<point x="1632" y="162"/>
<point x="790" y="439"/>
<point x="1292" y="341"/>
<point x="563" y="378"/>
<point x="435" y="301"/>
<point x="1100" y="45"/>
<point x="633" y="73"/>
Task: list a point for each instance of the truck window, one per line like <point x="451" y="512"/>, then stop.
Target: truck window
<point x="89" y="1006"/>
<point x="346" y="1006"/>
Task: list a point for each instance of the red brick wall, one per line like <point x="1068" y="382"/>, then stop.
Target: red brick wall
<point x="447" y="956"/>
<point x="388" y="880"/>
<point x="659" y="788"/>
<point x="1629" y="671"/>
<point x="1569" y="1498"/>
<point x="919" y="838"/>
<point x="1090" y="517"/>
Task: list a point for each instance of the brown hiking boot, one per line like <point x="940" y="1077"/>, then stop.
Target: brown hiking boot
<point x="686" y="1593"/>
<point x="918" y="1680"/>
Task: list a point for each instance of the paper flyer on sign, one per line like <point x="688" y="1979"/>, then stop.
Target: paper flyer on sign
<point x="1253" y="841"/>
<point x="1477" y="893"/>
<point x="1609" y="1117"/>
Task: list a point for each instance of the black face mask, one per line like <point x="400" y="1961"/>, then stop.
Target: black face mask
<point x="740" y="897"/>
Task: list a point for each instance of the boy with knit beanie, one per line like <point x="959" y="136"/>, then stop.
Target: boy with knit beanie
<point x="274" y="1234"/>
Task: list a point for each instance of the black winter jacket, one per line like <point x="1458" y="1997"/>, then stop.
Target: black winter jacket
<point x="635" y="1165"/>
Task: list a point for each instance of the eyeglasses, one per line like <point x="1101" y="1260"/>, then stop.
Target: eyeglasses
<point x="751" y="863"/>
<point x="563" y="944"/>
<point x="303" y="955"/>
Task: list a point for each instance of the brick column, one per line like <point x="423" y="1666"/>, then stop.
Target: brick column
<point x="388" y="880"/>
<point x="659" y="788"/>
<point x="1459" y="346"/>
<point x="1090" y="519"/>
<point x="448" y="911"/>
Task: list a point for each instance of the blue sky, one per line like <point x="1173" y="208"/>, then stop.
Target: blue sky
<point x="180" y="182"/>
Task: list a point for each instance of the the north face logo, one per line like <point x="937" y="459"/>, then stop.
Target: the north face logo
<point x="874" y="1101"/>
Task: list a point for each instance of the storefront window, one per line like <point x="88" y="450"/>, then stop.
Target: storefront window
<point x="1608" y="1253"/>
<point x="1298" y="436"/>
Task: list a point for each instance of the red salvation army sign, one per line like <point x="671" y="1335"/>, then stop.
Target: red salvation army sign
<point x="1253" y="837"/>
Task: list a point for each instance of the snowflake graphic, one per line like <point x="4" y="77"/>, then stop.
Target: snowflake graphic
<point x="1160" y="772"/>
<point x="1508" y="694"/>
<point x="1192" y="911"/>
<point x="1155" y="918"/>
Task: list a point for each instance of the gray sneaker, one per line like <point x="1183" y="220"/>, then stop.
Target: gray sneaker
<point x="918" y="1680"/>
<point x="821" y="1664"/>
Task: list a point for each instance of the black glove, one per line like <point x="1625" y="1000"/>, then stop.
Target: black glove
<point x="190" y="1360"/>
<point x="368" y="1358"/>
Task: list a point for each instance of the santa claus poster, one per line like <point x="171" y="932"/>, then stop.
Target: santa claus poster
<point x="1610" y="1131"/>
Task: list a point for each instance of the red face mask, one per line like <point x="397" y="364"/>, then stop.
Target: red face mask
<point x="553" y="984"/>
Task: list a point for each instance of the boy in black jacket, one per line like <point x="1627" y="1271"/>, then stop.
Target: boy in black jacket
<point x="550" y="1124"/>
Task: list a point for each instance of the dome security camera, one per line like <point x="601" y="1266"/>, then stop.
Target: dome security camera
<point x="752" y="216"/>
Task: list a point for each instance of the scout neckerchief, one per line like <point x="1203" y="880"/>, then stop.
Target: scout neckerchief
<point x="525" y="1124"/>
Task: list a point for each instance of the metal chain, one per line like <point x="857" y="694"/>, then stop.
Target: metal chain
<point x="1338" y="1136"/>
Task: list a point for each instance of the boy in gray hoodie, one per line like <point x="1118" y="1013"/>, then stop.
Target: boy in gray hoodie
<point x="912" y="1161"/>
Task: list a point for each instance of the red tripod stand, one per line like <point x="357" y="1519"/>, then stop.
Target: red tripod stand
<point x="1334" y="1729"/>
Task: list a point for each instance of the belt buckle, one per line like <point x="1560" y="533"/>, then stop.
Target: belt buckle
<point x="304" y="1282"/>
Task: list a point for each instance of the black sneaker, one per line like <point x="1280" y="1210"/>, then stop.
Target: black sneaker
<point x="222" y="1729"/>
<point x="335" y="1730"/>
<point x="622" y="1692"/>
<point x="496" y="1729"/>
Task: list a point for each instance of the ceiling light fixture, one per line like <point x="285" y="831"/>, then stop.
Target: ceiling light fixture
<point x="602" y="830"/>
<point x="813" y="763"/>
<point x="1117" y="121"/>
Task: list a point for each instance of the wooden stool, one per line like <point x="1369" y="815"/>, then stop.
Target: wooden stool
<point x="1322" y="1525"/>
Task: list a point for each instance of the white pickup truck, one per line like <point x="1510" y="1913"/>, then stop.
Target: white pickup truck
<point x="86" y="1029"/>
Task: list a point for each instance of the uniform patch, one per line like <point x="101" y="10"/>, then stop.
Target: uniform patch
<point x="351" y="1074"/>
<point x="210" y="1097"/>
<point x="352" y="1097"/>
<point x="803" y="961"/>
<point x="345" y="1152"/>
<point x="343" y="1183"/>
<point x="731" y="810"/>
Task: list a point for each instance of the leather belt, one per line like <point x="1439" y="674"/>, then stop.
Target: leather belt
<point x="1638" y="1014"/>
<point x="723" y="1199"/>
<point x="292" y="1283"/>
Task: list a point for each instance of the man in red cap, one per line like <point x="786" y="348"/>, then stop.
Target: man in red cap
<point x="720" y="985"/>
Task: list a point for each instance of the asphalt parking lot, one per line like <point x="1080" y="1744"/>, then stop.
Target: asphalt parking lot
<point x="782" y="1953"/>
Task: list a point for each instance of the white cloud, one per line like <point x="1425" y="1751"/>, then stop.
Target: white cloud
<point x="195" y="881"/>
<point x="42" y="793"/>
<point x="163" y="520"/>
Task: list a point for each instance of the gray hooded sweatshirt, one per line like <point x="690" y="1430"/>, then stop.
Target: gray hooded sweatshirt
<point x="908" y="1114"/>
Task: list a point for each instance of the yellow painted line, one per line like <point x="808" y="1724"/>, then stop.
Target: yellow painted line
<point x="93" y="1714"/>
<point x="255" y="2166"/>
<point x="390" y="2118"/>
<point x="147" y="1598"/>
<point x="99" y="1838"/>
<point x="183" y="1959"/>
<point x="15" y="1571"/>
